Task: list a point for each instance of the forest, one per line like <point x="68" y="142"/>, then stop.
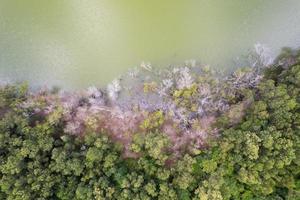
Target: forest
<point x="241" y="143"/>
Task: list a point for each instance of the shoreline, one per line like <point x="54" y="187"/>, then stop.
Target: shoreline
<point x="187" y="101"/>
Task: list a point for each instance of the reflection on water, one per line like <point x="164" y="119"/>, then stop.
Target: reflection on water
<point x="89" y="42"/>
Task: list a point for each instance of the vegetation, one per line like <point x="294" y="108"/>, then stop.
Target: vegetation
<point x="254" y="158"/>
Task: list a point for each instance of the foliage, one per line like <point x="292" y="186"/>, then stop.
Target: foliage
<point x="257" y="158"/>
<point x="154" y="120"/>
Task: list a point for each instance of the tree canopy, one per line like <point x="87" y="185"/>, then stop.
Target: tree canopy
<point x="257" y="158"/>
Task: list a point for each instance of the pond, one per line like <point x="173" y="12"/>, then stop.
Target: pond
<point x="78" y="43"/>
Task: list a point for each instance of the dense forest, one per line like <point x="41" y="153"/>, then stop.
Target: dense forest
<point x="251" y="151"/>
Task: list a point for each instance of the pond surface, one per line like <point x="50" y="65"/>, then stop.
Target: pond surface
<point x="77" y="43"/>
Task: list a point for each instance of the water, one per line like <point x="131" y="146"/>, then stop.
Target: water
<point x="79" y="43"/>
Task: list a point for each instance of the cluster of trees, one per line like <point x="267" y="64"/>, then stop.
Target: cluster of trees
<point x="258" y="158"/>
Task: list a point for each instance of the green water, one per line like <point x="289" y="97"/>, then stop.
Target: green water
<point x="77" y="43"/>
